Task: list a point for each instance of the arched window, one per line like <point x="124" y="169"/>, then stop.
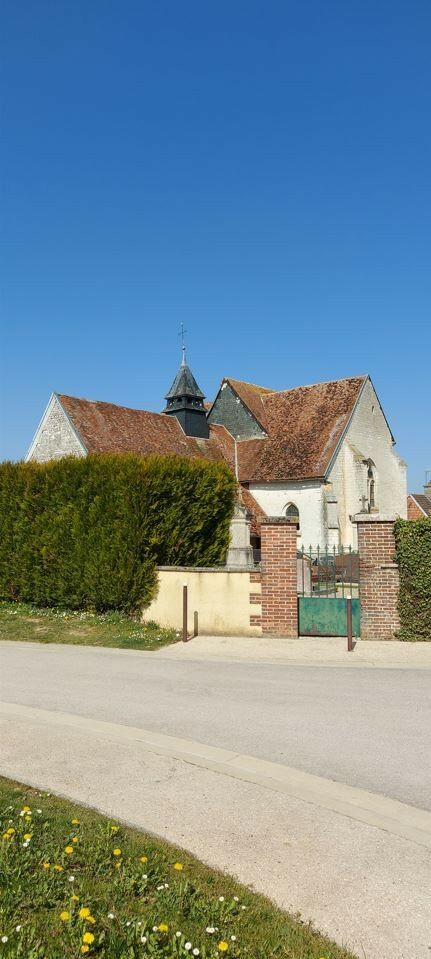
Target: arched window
<point x="292" y="512"/>
<point x="371" y="485"/>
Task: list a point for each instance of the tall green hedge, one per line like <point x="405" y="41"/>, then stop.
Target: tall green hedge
<point x="413" y="541"/>
<point x="88" y="533"/>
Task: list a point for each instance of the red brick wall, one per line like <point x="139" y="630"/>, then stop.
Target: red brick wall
<point x="413" y="510"/>
<point x="279" y="577"/>
<point x="379" y="579"/>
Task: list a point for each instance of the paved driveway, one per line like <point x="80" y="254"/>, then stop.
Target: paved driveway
<point x="369" y="728"/>
<point x="268" y="782"/>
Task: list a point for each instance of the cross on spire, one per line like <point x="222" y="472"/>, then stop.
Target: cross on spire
<point x="182" y="334"/>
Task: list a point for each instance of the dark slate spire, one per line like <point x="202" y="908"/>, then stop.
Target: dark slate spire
<point x="186" y="401"/>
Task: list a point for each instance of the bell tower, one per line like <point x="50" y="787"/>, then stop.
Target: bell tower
<point x="186" y="401"/>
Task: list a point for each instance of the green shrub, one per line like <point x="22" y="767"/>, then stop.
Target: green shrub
<point x="413" y="540"/>
<point x="88" y="533"/>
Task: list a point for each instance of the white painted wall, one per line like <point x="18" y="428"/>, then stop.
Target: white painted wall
<point x="55" y="436"/>
<point x="368" y="437"/>
<point x="307" y="496"/>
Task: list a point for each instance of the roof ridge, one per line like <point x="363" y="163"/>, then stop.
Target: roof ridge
<point x="118" y="406"/>
<point x="309" y="386"/>
<point x="232" y="379"/>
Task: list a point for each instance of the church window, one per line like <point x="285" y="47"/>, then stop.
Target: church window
<point x="292" y="512"/>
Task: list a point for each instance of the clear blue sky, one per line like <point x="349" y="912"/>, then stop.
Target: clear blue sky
<point x="260" y="171"/>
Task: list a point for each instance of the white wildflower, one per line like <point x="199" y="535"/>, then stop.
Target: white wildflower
<point x="18" y="928"/>
<point x="143" y="940"/>
<point x="154" y="928"/>
<point x="110" y="915"/>
<point x="233" y="938"/>
<point x="221" y="898"/>
<point x="210" y="930"/>
<point x="195" y="952"/>
<point x="4" y="938"/>
<point x="178" y="934"/>
<point x="71" y="878"/>
<point x="236" y="898"/>
<point x="188" y="946"/>
<point x="144" y="875"/>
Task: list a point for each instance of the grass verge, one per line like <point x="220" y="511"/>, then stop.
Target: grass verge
<point x="26" y="623"/>
<point x="73" y="883"/>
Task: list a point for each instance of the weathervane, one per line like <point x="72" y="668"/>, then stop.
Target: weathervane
<point x="182" y="334"/>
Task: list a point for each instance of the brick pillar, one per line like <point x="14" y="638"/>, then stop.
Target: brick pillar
<point x="279" y="577"/>
<point x="379" y="576"/>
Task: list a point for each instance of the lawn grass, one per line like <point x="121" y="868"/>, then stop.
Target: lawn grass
<point x="141" y="897"/>
<point x="26" y="623"/>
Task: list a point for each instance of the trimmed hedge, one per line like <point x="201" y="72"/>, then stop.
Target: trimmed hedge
<point x="413" y="541"/>
<point x="88" y="533"/>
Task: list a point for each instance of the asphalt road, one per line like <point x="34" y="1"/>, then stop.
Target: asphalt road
<point x="366" y="728"/>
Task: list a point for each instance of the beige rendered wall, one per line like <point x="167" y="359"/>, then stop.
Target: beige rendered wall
<point x="224" y="599"/>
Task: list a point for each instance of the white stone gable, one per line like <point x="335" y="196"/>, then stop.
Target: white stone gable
<point x="55" y="436"/>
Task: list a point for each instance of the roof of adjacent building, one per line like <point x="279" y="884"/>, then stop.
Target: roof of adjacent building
<point x="304" y="427"/>
<point x="107" y="428"/>
<point x="252" y="396"/>
<point x="423" y="501"/>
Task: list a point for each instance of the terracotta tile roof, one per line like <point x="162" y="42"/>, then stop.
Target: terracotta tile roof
<point x="107" y="428"/>
<point x="252" y="397"/>
<point x="304" y="426"/>
<point x="423" y="501"/>
<point x="253" y="508"/>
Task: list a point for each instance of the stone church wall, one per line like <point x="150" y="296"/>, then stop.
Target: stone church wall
<point x="55" y="436"/>
<point x="368" y="437"/>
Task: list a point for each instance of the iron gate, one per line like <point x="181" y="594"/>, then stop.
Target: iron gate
<point x="326" y="577"/>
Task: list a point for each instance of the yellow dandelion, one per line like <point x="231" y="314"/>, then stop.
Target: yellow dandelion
<point x="85" y="949"/>
<point x="58" y="868"/>
<point x="75" y="898"/>
<point x="84" y="912"/>
<point x="223" y="946"/>
<point x="75" y="822"/>
<point x="114" y="828"/>
<point x="163" y="927"/>
<point x="116" y="852"/>
<point x="178" y="866"/>
<point x="143" y="859"/>
<point x="91" y="919"/>
<point x="26" y="809"/>
<point x="46" y="865"/>
<point x="69" y="850"/>
<point x="27" y="836"/>
<point x="75" y="839"/>
<point x="65" y="915"/>
<point x="88" y="938"/>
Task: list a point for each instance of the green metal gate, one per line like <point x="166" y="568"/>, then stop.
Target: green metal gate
<point x="327" y="616"/>
<point x="326" y="577"/>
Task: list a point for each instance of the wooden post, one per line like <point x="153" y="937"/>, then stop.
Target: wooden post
<point x="349" y="624"/>
<point x="185" y="610"/>
<point x="195" y="623"/>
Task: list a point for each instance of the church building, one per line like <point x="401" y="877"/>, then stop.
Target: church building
<point x="318" y="454"/>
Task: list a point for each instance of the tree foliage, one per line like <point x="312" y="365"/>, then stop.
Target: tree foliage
<point x="88" y="533"/>
<point x="413" y="541"/>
